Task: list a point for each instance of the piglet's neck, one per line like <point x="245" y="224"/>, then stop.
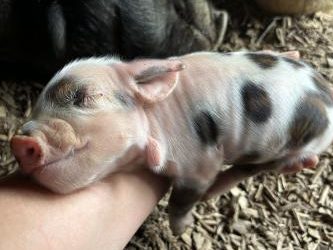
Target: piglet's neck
<point x="169" y="122"/>
<point x="156" y="129"/>
<point x="135" y="158"/>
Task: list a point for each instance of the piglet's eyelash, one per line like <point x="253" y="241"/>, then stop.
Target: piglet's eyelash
<point x="91" y="98"/>
<point x="82" y="99"/>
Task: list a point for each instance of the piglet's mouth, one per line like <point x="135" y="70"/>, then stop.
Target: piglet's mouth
<point x="71" y="154"/>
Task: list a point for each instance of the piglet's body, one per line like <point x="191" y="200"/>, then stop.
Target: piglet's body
<point x="182" y="117"/>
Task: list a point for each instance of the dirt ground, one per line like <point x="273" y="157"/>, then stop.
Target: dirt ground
<point x="266" y="212"/>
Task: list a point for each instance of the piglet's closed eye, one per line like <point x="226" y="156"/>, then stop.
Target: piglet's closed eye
<point x="154" y="80"/>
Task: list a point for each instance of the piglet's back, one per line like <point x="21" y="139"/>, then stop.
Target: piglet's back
<point x="269" y="105"/>
<point x="286" y="107"/>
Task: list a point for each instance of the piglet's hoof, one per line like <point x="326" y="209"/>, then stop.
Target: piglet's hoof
<point x="178" y="224"/>
<point x="309" y="162"/>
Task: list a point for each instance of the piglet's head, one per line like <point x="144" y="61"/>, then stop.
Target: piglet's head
<point x="89" y="121"/>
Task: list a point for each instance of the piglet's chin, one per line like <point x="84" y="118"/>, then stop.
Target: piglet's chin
<point x="57" y="179"/>
<point x="69" y="175"/>
<point x="63" y="187"/>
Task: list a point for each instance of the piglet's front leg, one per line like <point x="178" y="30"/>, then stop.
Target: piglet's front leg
<point x="188" y="191"/>
<point x="183" y="197"/>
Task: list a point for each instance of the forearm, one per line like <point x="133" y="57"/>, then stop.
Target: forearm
<point x="104" y="216"/>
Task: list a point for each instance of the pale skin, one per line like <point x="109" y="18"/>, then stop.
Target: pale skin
<point x="103" y="216"/>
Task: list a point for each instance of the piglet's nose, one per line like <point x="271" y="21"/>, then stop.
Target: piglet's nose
<point x="27" y="152"/>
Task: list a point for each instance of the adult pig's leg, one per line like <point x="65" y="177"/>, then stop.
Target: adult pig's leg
<point x="153" y="28"/>
<point x="208" y="21"/>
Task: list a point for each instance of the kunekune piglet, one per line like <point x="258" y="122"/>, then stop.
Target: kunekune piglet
<point x="182" y="117"/>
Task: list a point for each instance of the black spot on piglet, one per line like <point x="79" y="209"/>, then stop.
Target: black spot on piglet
<point x="309" y="122"/>
<point x="206" y="128"/>
<point x="65" y="93"/>
<point x="60" y="92"/>
<point x="264" y="61"/>
<point x="257" y="103"/>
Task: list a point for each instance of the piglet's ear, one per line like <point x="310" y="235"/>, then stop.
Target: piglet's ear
<point x="292" y="54"/>
<point x="154" y="80"/>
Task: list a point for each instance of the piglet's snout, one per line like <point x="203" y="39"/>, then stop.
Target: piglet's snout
<point x="60" y="135"/>
<point x="27" y="152"/>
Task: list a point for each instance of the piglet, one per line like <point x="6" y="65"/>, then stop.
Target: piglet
<point x="182" y="117"/>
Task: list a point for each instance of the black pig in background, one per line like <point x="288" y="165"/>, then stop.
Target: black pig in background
<point x="37" y="37"/>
